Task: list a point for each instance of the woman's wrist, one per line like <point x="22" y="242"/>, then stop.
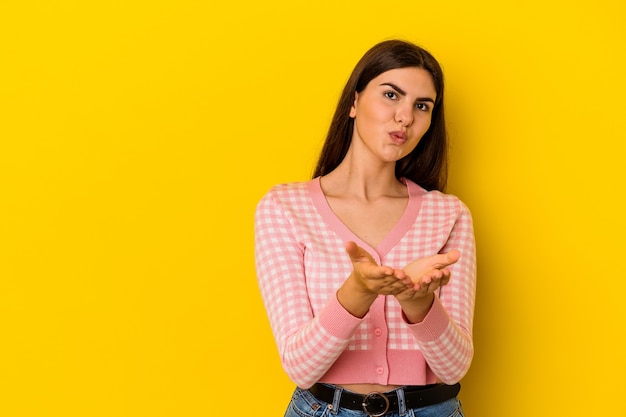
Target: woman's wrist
<point x="354" y="298"/>
<point x="416" y="310"/>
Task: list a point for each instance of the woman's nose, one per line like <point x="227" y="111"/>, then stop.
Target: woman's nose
<point x="404" y="116"/>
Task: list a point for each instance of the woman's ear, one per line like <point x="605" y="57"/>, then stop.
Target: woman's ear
<point x="353" y="107"/>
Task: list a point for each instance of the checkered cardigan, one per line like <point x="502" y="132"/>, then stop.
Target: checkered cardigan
<point x="301" y="262"/>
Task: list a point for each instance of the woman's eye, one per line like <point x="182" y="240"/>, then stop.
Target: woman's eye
<point x="391" y="95"/>
<point x="422" y="106"/>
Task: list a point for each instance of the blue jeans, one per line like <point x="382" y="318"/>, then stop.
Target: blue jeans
<point x="304" y="404"/>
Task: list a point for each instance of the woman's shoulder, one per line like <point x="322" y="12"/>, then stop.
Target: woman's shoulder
<point x="436" y="198"/>
<point x="289" y="193"/>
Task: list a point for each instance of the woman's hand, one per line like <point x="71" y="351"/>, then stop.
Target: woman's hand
<point x="368" y="280"/>
<point x="426" y="274"/>
<point x="374" y="278"/>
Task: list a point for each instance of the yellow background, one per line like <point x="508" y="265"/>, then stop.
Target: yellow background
<point x="136" y="138"/>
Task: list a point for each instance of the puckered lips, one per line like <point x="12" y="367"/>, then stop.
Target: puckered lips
<point x="398" y="137"/>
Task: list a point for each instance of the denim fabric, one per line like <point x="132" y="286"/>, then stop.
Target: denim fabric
<point x="304" y="404"/>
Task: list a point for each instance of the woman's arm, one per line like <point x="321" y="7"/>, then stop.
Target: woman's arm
<point x="442" y="324"/>
<point x="308" y="345"/>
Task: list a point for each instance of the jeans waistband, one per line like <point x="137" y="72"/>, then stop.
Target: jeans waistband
<point x="379" y="403"/>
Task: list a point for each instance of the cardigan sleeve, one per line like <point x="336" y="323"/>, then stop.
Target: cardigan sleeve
<point x="308" y="345"/>
<point x="445" y="334"/>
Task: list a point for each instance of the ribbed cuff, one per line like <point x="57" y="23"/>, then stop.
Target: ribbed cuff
<point x="434" y="324"/>
<point x="337" y="320"/>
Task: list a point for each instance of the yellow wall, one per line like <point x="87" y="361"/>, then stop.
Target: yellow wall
<point x="136" y="138"/>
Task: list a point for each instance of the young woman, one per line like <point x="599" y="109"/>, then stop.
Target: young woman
<point x="367" y="271"/>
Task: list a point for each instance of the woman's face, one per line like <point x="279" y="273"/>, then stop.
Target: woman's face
<point x="393" y="112"/>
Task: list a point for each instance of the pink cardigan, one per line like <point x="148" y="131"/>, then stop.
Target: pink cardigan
<point x="301" y="262"/>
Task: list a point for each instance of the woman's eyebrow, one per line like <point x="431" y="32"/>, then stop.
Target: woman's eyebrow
<point x="395" y="87"/>
<point x="403" y="93"/>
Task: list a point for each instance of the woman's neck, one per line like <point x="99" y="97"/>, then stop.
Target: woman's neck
<point x="362" y="181"/>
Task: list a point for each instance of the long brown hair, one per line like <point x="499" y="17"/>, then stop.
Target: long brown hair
<point x="427" y="164"/>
